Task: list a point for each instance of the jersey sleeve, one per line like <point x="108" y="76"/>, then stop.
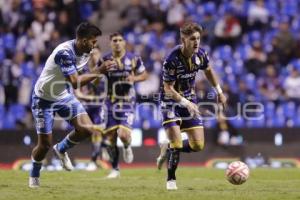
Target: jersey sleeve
<point x="140" y="67"/>
<point x="66" y="60"/>
<point x="169" y="71"/>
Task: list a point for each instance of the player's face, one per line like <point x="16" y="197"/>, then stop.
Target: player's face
<point x="191" y="42"/>
<point x="117" y="44"/>
<point x="89" y="44"/>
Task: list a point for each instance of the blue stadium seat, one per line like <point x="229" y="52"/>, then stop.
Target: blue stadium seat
<point x="269" y="109"/>
<point x="289" y="109"/>
<point x="18" y="111"/>
<point x="9" y="121"/>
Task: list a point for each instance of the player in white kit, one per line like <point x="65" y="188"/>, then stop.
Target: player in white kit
<point x="53" y="94"/>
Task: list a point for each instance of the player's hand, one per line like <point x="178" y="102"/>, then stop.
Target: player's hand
<point x="95" y="55"/>
<point x="106" y="66"/>
<point x="193" y="109"/>
<point x="131" y="78"/>
<point x="222" y="100"/>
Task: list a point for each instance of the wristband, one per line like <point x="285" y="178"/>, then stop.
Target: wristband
<point x="218" y="89"/>
<point x="184" y="102"/>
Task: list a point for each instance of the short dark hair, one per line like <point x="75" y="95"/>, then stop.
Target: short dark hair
<point x="189" y="28"/>
<point x="115" y="34"/>
<point x="87" y="30"/>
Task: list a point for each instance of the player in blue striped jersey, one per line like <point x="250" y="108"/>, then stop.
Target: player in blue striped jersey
<point x="53" y="94"/>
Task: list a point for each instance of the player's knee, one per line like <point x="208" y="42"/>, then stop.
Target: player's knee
<point x="45" y="146"/>
<point x="176" y="144"/>
<point x="124" y="136"/>
<point x="197" y="145"/>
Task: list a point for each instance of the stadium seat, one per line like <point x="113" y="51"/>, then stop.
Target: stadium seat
<point x="17" y="110"/>
<point x="289" y="109"/>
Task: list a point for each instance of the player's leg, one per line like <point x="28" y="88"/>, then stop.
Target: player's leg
<point x="124" y="133"/>
<point x="83" y="129"/>
<point x="72" y="110"/>
<point x="113" y="151"/>
<point x="195" y="131"/>
<point x="173" y="152"/>
<point x="195" y="142"/>
<point x="43" y="116"/>
<point x="38" y="154"/>
<point x="96" y="144"/>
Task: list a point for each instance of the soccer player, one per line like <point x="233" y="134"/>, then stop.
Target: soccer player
<point x="121" y="100"/>
<point x="179" y="104"/>
<point x="53" y="95"/>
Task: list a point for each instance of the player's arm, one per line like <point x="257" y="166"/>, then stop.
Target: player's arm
<point x="78" y="81"/>
<point x="213" y="79"/>
<point x="140" y="73"/>
<point x="67" y="63"/>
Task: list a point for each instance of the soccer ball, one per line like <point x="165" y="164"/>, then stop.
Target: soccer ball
<point x="237" y="173"/>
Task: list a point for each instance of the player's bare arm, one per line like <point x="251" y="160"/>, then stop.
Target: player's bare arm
<point x="81" y="80"/>
<point x="173" y="94"/>
<point x="137" y="78"/>
<point x="212" y="78"/>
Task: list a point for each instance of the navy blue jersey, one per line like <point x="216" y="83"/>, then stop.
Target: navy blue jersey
<point x="117" y="86"/>
<point x="182" y="71"/>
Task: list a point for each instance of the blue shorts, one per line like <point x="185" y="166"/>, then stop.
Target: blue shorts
<point x="119" y="115"/>
<point x="180" y="116"/>
<point x="43" y="111"/>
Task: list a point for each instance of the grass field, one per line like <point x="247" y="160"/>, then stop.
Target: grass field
<point x="148" y="183"/>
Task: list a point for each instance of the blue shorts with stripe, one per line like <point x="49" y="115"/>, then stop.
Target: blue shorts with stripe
<point x="44" y="111"/>
<point x="179" y="116"/>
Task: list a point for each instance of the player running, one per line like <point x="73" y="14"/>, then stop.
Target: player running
<point x="120" y="103"/>
<point x="53" y="94"/>
<point x="179" y="108"/>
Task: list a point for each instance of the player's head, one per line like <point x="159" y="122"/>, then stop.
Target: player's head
<point x="86" y="36"/>
<point x="190" y="34"/>
<point x="117" y="42"/>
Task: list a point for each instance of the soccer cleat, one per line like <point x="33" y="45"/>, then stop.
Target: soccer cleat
<point x="34" y="182"/>
<point x="64" y="159"/>
<point x="128" y="154"/>
<point x="163" y="155"/>
<point x="113" y="174"/>
<point x="171" y="185"/>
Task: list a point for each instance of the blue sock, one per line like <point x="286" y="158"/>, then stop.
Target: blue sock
<point x="186" y="148"/>
<point x="65" y="144"/>
<point x="36" y="168"/>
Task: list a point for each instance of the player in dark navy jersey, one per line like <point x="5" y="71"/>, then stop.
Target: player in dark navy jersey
<point x="179" y="103"/>
<point x="120" y="102"/>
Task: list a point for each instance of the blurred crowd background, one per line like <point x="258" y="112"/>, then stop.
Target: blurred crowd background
<point x="253" y="45"/>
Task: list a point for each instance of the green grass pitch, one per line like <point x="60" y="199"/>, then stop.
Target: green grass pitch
<point x="148" y="183"/>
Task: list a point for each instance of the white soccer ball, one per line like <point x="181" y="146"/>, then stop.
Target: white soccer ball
<point x="237" y="172"/>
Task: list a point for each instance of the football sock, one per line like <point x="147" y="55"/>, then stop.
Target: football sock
<point x="186" y="148"/>
<point x="96" y="151"/>
<point x="172" y="162"/>
<point x="66" y="144"/>
<point x="113" y="152"/>
<point x="36" y="168"/>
